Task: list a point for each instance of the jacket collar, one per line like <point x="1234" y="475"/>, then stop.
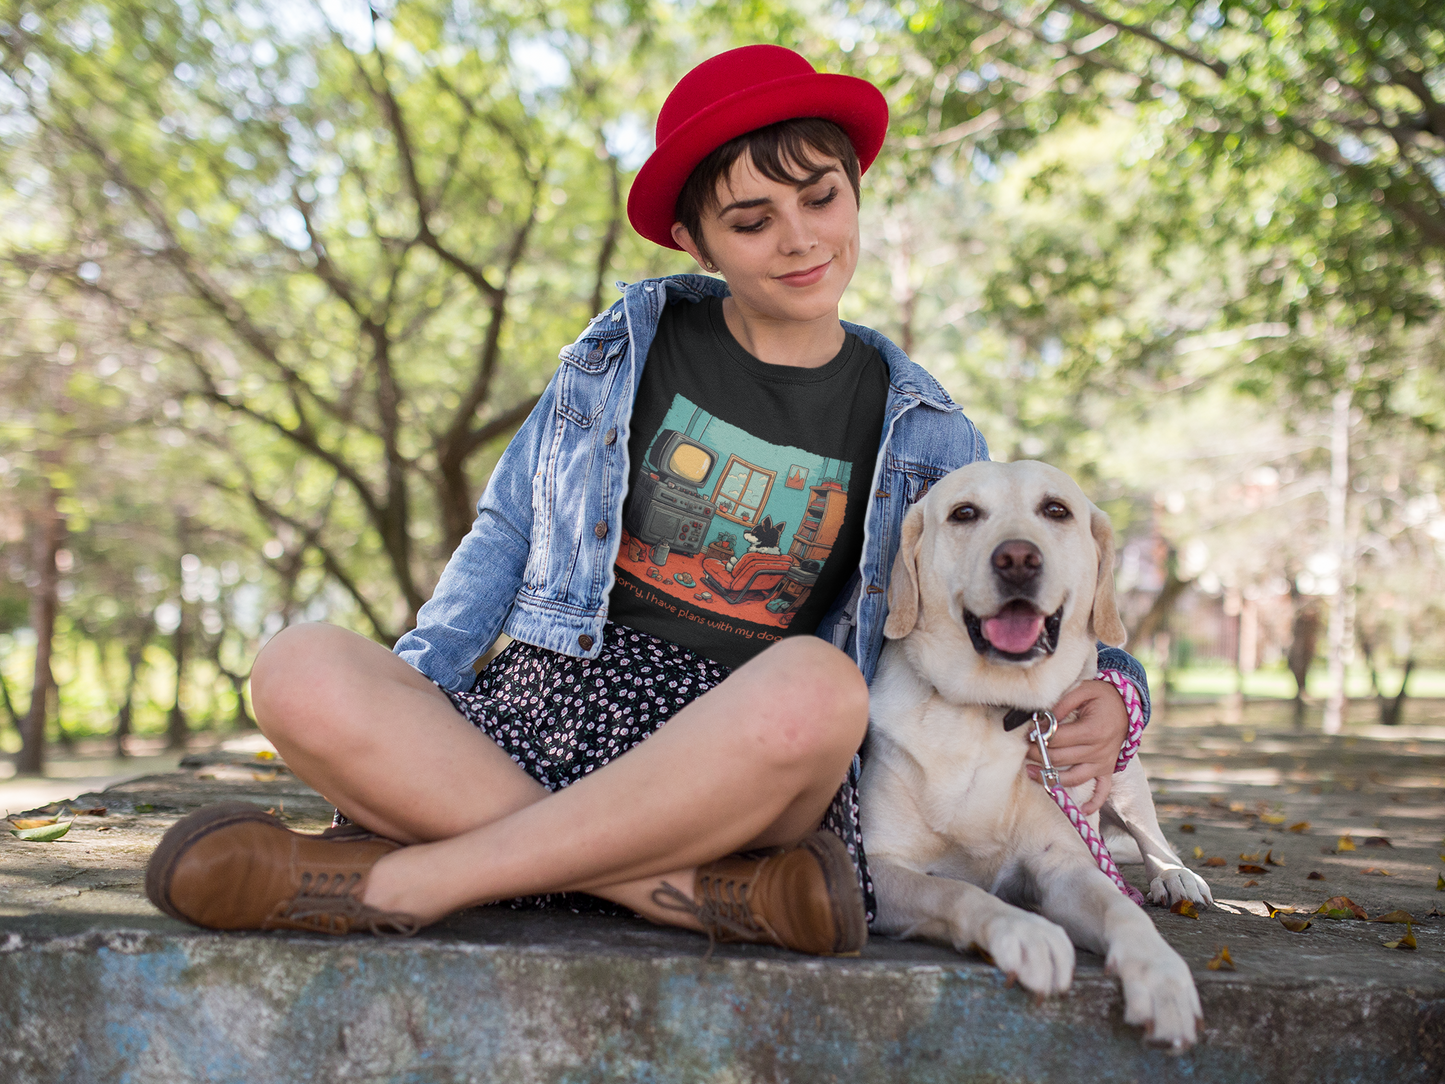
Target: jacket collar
<point x="905" y="375"/>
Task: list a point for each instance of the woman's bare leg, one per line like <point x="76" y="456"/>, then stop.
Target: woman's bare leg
<point x="753" y="762"/>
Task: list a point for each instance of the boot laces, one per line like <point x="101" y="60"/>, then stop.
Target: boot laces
<point x="724" y="909"/>
<point x="325" y="902"/>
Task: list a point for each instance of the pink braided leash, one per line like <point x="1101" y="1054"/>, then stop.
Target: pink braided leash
<point x="1097" y="847"/>
<point x="1134" y="706"/>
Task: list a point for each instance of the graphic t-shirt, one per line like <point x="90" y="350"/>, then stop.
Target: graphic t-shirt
<point x="747" y="489"/>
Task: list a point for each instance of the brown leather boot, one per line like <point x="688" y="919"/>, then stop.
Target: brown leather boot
<point x="804" y="897"/>
<point x="232" y="866"/>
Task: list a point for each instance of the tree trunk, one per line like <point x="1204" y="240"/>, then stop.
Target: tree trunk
<point x="1156" y="618"/>
<point x="48" y="532"/>
<point x="1342" y="611"/>
<point x="176" y="729"/>
<point x="1304" y="640"/>
<point x="134" y="652"/>
<point x="1392" y="709"/>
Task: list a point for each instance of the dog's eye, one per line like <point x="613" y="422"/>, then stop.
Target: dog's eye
<point x="1056" y="510"/>
<point x="964" y="513"/>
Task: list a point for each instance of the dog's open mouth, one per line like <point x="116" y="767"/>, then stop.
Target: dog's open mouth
<point x="1020" y="630"/>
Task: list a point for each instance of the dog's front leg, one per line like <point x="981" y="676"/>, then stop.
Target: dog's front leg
<point x="1131" y="807"/>
<point x="1159" y="993"/>
<point x="1024" y="946"/>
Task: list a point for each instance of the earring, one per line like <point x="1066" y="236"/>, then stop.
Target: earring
<point x="709" y="266"/>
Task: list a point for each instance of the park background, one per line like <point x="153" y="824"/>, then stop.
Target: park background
<point x="278" y="282"/>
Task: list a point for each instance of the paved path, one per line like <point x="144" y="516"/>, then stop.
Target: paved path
<point x="95" y="984"/>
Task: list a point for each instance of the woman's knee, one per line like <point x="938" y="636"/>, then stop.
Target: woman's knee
<point x="294" y="675"/>
<point x="812" y="702"/>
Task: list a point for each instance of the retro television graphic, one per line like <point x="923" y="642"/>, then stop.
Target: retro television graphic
<point x="667" y="506"/>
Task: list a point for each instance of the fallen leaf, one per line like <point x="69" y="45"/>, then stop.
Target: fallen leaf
<point x="1250" y="867"/>
<point x="144" y="807"/>
<point x="1271" y="860"/>
<point x="1302" y="826"/>
<point x="1341" y="907"/>
<point x="1249" y="857"/>
<point x="1272" y="819"/>
<point x="263" y="777"/>
<point x="103" y="828"/>
<point x="265" y="754"/>
<point x="1375" y="871"/>
<point x="1377" y="841"/>
<point x="1250" y="884"/>
<point x="1236" y="807"/>
<point x="1273" y="910"/>
<point x="46" y="834"/>
<point x="1439" y="883"/>
<point x="1294" y="925"/>
<point x="1198" y="852"/>
<point x="1214" y="860"/>
<point x="98" y="811"/>
<point x="1222" y="959"/>
<point x="1394" y="916"/>
<point x="1345" y="844"/>
<point x="32" y="822"/>
<point x="1186" y="827"/>
<point x="1314" y="875"/>
<point x="1406" y="942"/>
<point x="1185" y="908"/>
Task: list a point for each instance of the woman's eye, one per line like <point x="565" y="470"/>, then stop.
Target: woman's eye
<point x="750" y="227"/>
<point x="964" y="513"/>
<point x="823" y="201"/>
<point x="1055" y="510"/>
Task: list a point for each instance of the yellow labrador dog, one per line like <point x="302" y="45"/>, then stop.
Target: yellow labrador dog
<point x="1002" y="585"/>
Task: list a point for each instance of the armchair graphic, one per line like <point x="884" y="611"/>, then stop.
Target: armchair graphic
<point x="756" y="575"/>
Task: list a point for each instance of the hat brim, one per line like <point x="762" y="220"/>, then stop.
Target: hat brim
<point x="855" y="105"/>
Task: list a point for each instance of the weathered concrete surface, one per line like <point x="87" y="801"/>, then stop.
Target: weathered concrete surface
<point x="97" y="986"/>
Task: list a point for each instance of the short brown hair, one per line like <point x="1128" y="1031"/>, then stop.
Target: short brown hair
<point x="776" y="151"/>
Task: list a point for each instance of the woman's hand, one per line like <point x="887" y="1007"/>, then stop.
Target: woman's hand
<point x="1087" y="746"/>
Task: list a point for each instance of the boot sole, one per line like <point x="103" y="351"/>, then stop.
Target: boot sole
<point x="842" y="880"/>
<point x="183" y="834"/>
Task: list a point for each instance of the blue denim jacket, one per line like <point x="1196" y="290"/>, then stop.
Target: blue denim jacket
<point x="538" y="561"/>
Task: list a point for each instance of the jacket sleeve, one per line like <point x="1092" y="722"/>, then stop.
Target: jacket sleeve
<point x="481" y="580"/>
<point x="1116" y="658"/>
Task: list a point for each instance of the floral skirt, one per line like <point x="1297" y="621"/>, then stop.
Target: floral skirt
<point x="561" y="717"/>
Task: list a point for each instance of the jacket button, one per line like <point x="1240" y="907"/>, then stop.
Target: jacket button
<point x="611" y="437"/>
<point x="584" y="642"/>
<point x="595" y="354"/>
<point x="601" y="529"/>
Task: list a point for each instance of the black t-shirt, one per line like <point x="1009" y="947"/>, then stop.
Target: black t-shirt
<point x="747" y="489"/>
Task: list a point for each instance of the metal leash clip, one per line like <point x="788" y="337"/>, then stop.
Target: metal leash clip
<point x="1041" y="739"/>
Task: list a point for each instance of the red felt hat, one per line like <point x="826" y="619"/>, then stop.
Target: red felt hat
<point x="734" y="93"/>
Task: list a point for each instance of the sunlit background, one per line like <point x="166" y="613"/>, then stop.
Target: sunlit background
<point x="278" y="281"/>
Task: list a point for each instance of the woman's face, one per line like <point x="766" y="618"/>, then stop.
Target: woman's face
<point x="787" y="252"/>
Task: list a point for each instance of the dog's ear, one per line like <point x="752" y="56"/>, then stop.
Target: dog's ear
<point x="1105" y="617"/>
<point x="903" y="595"/>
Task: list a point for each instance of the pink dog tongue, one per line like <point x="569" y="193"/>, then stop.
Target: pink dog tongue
<point x="1014" y="629"/>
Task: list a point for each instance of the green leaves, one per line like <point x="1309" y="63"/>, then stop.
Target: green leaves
<point x="45" y="834"/>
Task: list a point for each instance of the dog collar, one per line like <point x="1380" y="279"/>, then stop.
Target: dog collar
<point x="1017" y="717"/>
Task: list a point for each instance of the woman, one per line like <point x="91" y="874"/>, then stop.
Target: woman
<point x="698" y="419"/>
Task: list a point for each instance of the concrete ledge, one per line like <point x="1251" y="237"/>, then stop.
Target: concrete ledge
<point x="515" y="997"/>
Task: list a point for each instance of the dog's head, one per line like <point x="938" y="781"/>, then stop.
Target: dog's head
<point x="1003" y="582"/>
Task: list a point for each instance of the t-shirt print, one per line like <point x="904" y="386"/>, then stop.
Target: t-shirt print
<point x="726" y="529"/>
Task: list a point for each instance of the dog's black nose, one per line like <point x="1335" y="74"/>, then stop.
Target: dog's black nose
<point x="1017" y="562"/>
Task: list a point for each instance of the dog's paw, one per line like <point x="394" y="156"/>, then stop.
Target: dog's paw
<point x="1030" y="949"/>
<point x="1159" y="994"/>
<point x="1171" y="884"/>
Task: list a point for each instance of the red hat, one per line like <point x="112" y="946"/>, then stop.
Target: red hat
<point x="734" y="93"/>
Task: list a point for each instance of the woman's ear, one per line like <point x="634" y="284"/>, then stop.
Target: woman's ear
<point x="903" y="596"/>
<point x="684" y="239"/>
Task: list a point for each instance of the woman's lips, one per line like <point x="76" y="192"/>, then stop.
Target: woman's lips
<point x="808" y="277"/>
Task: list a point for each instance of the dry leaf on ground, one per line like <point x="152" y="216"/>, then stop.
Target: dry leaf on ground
<point x="1302" y="826"/>
<point x="24" y="823"/>
<point x="265" y="754"/>
<point x="1314" y="875"/>
<point x="1406" y="942"/>
<point x="1214" y="860"/>
<point x="1394" y="916"/>
<point x="1185" y="908"/>
<point x="1293" y="925"/>
<point x="1198" y="852"/>
<point x="44" y="834"/>
<point x="1222" y="959"/>
<point x="1272" y="818"/>
<point x="1345" y="843"/>
<point x="1250" y="867"/>
<point x="1249" y="857"/>
<point x="1375" y="871"/>
<point x="1378" y="841"/>
<point x="1439" y="883"/>
<point x="1186" y="827"/>
<point x="1273" y="910"/>
<point x="1341" y="907"/>
<point x="1271" y="860"/>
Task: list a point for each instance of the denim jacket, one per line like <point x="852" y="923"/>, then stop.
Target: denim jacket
<point x="538" y="562"/>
